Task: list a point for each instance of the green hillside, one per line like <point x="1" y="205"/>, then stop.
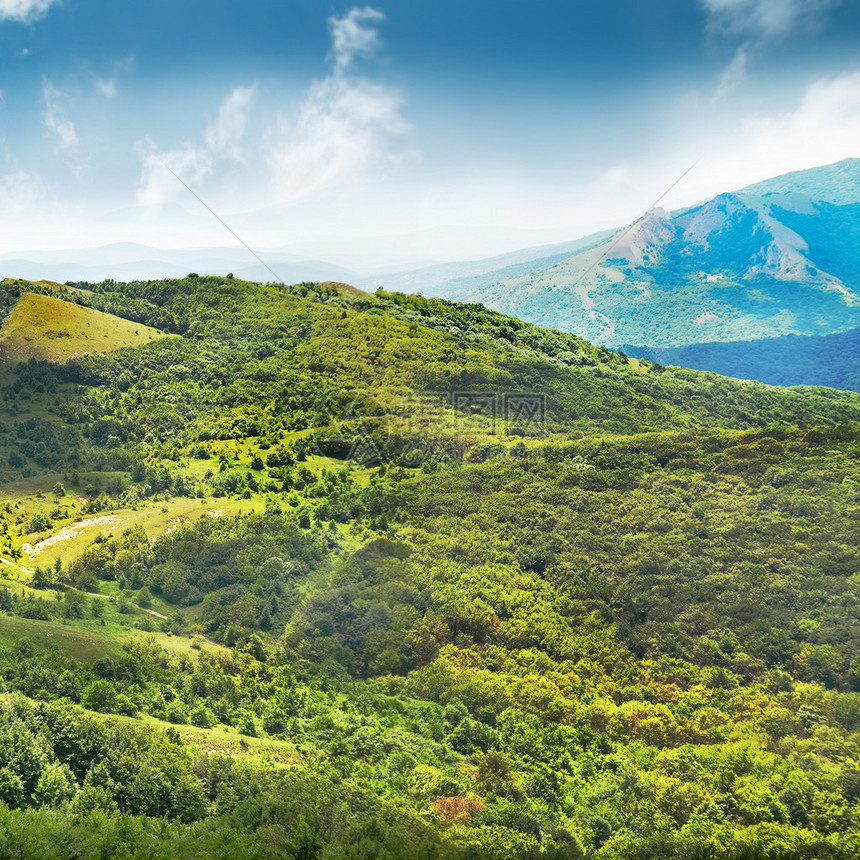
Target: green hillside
<point x="329" y="574"/>
<point x="44" y="327"/>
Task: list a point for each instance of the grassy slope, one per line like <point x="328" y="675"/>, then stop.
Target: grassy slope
<point x="372" y="339"/>
<point x="43" y="327"/>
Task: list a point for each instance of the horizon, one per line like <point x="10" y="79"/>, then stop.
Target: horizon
<point x="415" y="132"/>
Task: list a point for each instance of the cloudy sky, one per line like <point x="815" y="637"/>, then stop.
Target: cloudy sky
<point x="463" y="127"/>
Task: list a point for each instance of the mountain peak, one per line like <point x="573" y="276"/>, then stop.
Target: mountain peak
<point x="641" y="242"/>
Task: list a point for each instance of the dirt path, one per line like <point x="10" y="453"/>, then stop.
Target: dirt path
<point x="67" y="533"/>
<point x="16" y="566"/>
<point x="107" y="597"/>
<point x="141" y="608"/>
<point x="152" y="612"/>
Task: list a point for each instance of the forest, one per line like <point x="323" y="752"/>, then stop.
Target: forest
<point x="295" y="581"/>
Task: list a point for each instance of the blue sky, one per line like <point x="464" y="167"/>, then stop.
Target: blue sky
<point x="461" y="128"/>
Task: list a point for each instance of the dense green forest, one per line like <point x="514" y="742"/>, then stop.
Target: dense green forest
<point x="298" y="581"/>
<point x="830" y="360"/>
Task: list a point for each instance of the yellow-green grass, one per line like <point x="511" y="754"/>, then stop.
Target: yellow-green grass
<point x="26" y="490"/>
<point x="346" y="289"/>
<point x="226" y="741"/>
<point x="220" y="740"/>
<point x="155" y="517"/>
<point x="46" y="328"/>
<point x="51" y="285"/>
<point x="84" y="643"/>
<point x="87" y="640"/>
<point x="62" y="288"/>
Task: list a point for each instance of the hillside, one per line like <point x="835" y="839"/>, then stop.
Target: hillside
<point x="336" y="574"/>
<point x="46" y="328"/>
<point x="773" y="259"/>
<point x="831" y="360"/>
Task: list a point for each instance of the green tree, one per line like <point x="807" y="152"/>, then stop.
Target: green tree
<point x="100" y="695"/>
<point x="56" y="785"/>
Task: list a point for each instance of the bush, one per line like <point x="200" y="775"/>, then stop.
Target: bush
<point x="176" y="713"/>
<point x="247" y="725"/>
<point x="201" y="716"/>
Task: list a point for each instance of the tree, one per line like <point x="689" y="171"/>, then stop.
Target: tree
<point x="56" y="785"/>
<point x="99" y="696"/>
<point x="75" y="603"/>
<point x="41" y="578"/>
<point x="247" y="725"/>
<point x="11" y="788"/>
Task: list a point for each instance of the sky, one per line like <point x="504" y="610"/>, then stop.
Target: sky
<point x="404" y="130"/>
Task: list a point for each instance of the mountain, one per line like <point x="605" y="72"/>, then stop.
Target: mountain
<point x="130" y="261"/>
<point x="444" y="278"/>
<point x="307" y="571"/>
<point x="779" y="257"/>
<point x="831" y="360"/>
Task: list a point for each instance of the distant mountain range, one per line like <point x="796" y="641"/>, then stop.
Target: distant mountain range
<point x="129" y="261"/>
<point x="779" y="257"/>
<point x="442" y="279"/>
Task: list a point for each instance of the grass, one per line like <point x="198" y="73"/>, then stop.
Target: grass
<point x="346" y="289"/>
<point x="80" y="640"/>
<point x="46" y="328"/>
<point x="86" y="639"/>
<point x="77" y="530"/>
<point x="226" y="741"/>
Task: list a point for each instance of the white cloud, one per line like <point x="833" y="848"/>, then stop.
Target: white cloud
<point x="824" y="127"/>
<point x="734" y="74"/>
<point x="758" y="23"/>
<point x="225" y="135"/>
<point x="765" y="19"/>
<point x="340" y="136"/>
<point x="24" y="10"/>
<point x="354" y="36"/>
<point x="821" y="126"/>
<point x="731" y="148"/>
<point x="56" y="121"/>
<point x="106" y="87"/>
<point x="192" y="162"/>
<point x="20" y="191"/>
<point x="343" y="131"/>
